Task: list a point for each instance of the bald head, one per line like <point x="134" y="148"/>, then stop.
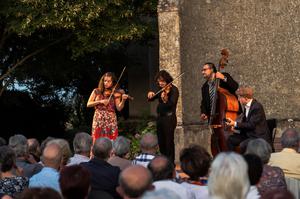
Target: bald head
<point x="135" y="180"/>
<point x="290" y="139"/>
<point x="161" y="168"/>
<point x="52" y="155"/>
<point x="149" y="143"/>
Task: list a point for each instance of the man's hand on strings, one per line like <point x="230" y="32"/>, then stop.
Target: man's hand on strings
<point x="220" y="76"/>
<point x="203" y="117"/>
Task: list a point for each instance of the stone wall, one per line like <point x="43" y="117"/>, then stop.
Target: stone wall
<point x="263" y="39"/>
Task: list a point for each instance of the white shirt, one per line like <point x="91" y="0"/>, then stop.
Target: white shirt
<point x="201" y="192"/>
<point x="253" y="193"/>
<point x="247" y="107"/>
<point x="180" y="190"/>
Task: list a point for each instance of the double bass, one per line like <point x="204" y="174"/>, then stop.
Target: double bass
<point x="224" y="105"/>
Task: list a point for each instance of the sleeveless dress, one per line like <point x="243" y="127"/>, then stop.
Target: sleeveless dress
<point x="105" y="119"/>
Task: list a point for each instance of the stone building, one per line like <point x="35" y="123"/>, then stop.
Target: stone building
<point x="264" y="43"/>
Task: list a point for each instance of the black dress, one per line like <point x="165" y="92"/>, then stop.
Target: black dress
<point x="166" y="122"/>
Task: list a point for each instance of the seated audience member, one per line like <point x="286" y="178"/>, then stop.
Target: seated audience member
<point x="134" y="181"/>
<point x="19" y="144"/>
<point x="255" y="168"/>
<point x="3" y="196"/>
<point x="121" y="147"/>
<point x="2" y="141"/>
<point x="195" y="162"/>
<point x="49" y="175"/>
<point x="161" y="194"/>
<point x="74" y="182"/>
<point x="10" y="184"/>
<point x="278" y="194"/>
<point x="288" y="159"/>
<point x="39" y="193"/>
<point x="228" y="177"/>
<point x="272" y="177"/>
<point x="104" y="176"/>
<point x="149" y="148"/>
<point x="34" y="148"/>
<point x="82" y="144"/>
<point x="163" y="174"/>
<point x="65" y="149"/>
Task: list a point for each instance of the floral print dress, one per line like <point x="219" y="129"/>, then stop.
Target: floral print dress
<point x="105" y="119"/>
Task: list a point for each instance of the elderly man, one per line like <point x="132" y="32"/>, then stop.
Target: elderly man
<point x="134" y="181"/>
<point x="19" y="144"/>
<point x="149" y="147"/>
<point x="288" y="159"/>
<point x="121" y="147"/>
<point x="104" y="176"/>
<point x="82" y="144"/>
<point x="49" y="175"/>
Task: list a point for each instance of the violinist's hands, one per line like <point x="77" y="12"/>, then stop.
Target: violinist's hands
<point x="203" y="117"/>
<point x="104" y="102"/>
<point x="220" y="76"/>
<point x="125" y="97"/>
<point x="150" y="94"/>
<point x="230" y="122"/>
<point x="164" y="97"/>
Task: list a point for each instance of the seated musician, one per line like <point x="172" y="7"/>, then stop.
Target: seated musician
<point x="251" y="123"/>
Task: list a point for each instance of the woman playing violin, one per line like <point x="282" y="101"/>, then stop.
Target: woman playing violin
<point x="105" y="99"/>
<point x="166" y="112"/>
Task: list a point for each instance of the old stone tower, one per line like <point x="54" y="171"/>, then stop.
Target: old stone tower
<point x="264" y="43"/>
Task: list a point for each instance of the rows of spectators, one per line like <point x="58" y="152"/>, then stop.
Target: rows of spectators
<point x="103" y="170"/>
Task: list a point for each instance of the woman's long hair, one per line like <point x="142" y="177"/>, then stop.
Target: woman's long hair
<point x="101" y="82"/>
<point x="164" y="75"/>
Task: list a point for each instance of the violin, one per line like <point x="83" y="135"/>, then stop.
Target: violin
<point x="117" y="93"/>
<point x="165" y="90"/>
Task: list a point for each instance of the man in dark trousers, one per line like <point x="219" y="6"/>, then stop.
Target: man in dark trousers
<point x="251" y="123"/>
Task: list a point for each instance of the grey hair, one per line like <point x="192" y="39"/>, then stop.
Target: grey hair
<point x="261" y="148"/>
<point x="65" y="147"/>
<point x="19" y="144"/>
<point x="148" y="141"/>
<point x="102" y="148"/>
<point x="232" y="167"/>
<point x="82" y="143"/>
<point x="290" y="138"/>
<point x="121" y="146"/>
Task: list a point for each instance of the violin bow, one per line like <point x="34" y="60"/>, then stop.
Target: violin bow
<point x="114" y="88"/>
<point x="167" y="85"/>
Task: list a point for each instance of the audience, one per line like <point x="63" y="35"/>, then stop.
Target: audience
<point x="19" y="144"/>
<point x="255" y="168"/>
<point x="82" y="145"/>
<point x="134" y="181"/>
<point x="272" y="177"/>
<point x="39" y="193"/>
<point x="163" y="173"/>
<point x="104" y="176"/>
<point x="34" y="148"/>
<point x="161" y="194"/>
<point x="10" y="184"/>
<point x="278" y="194"/>
<point x="149" y="148"/>
<point x="288" y="159"/>
<point x="121" y="148"/>
<point x="195" y="162"/>
<point x="49" y="175"/>
<point x="74" y="182"/>
<point x="2" y="141"/>
<point x="65" y="149"/>
<point x="228" y="178"/>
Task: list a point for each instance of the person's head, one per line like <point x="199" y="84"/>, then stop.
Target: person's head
<point x="7" y="158"/>
<point x="74" y="182"/>
<point x="245" y="94"/>
<point x="82" y="143"/>
<point x="255" y="168"/>
<point x="149" y="143"/>
<point x="108" y="80"/>
<point x="39" y="193"/>
<point x="228" y="178"/>
<point x="162" y="78"/>
<point x="261" y="148"/>
<point x="134" y="181"/>
<point x="290" y="139"/>
<point x="208" y="69"/>
<point x="65" y="149"/>
<point x="2" y="141"/>
<point x="34" y="146"/>
<point x="195" y="161"/>
<point x="45" y="142"/>
<point x="52" y="155"/>
<point x="19" y="144"/>
<point x="161" y="168"/>
<point x="121" y="146"/>
<point x="102" y="148"/>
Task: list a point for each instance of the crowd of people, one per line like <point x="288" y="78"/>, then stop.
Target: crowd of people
<point x="103" y="169"/>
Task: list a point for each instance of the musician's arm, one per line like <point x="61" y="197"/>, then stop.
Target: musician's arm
<point x="231" y="83"/>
